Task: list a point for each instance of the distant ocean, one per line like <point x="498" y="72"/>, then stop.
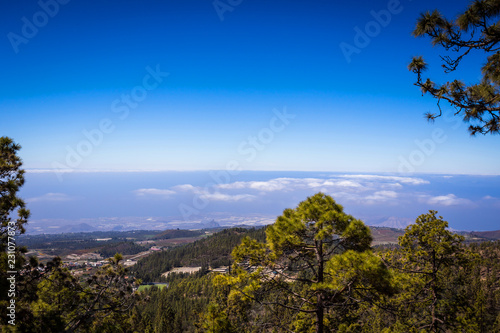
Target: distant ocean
<point x="467" y="202"/>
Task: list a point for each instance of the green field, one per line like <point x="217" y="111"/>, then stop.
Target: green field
<point x="147" y="286"/>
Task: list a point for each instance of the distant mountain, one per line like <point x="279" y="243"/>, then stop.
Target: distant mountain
<point x="385" y="235"/>
<point x="82" y="227"/>
<point x="395" y="222"/>
<point x="487" y="234"/>
<point x="210" y="225"/>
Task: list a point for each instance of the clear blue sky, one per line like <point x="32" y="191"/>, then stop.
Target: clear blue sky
<point x="73" y="73"/>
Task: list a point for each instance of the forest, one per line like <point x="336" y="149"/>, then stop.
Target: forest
<point x="315" y="269"/>
<point x="211" y="252"/>
<point x="431" y="281"/>
<point x="71" y="242"/>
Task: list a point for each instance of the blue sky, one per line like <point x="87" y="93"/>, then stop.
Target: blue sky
<point x="252" y="85"/>
<point x="225" y="79"/>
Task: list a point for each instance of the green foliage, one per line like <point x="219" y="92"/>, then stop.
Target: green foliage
<point x="170" y="234"/>
<point x="376" y="299"/>
<point x="11" y="180"/>
<point x="316" y="259"/>
<point x="72" y="242"/>
<point x="216" y="320"/>
<point x="108" y="292"/>
<point x="213" y="251"/>
<point x="13" y="212"/>
<point x="126" y="248"/>
<point x="428" y="242"/>
<point x="178" y="307"/>
<point x="13" y="217"/>
<point x="361" y="269"/>
<point x="475" y="29"/>
<point x="431" y="266"/>
<point x="56" y="301"/>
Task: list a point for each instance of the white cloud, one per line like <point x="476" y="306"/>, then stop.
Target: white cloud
<point x="363" y="189"/>
<point x="347" y="183"/>
<point x="277" y="184"/>
<point x="382" y="195"/>
<point x="52" y="197"/>
<point x="184" y="187"/>
<point x="391" y="185"/>
<point x="291" y="184"/>
<point x="154" y="191"/>
<point x="270" y="186"/>
<point x="200" y="192"/>
<point x="234" y="186"/>
<point x="491" y="200"/>
<point x="227" y="197"/>
<point x="448" y="200"/>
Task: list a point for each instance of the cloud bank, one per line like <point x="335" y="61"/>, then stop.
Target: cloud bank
<point x="363" y="189"/>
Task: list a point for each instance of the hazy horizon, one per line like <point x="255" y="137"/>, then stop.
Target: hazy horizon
<point x="466" y="202"/>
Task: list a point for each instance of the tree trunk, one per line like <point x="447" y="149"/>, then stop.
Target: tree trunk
<point x="319" y="301"/>
<point x="319" y="316"/>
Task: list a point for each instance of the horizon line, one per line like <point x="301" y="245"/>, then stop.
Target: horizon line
<point x="56" y="171"/>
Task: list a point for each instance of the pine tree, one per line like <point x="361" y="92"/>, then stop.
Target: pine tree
<point x="316" y="259"/>
<point x="13" y="217"/>
<point x="427" y="256"/>
<point x="476" y="29"/>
